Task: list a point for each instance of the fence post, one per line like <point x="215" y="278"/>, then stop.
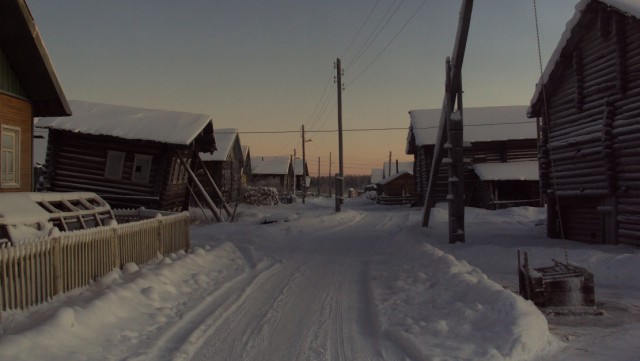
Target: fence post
<point x="115" y="250"/>
<point x="56" y="262"/>
<point x="160" y="236"/>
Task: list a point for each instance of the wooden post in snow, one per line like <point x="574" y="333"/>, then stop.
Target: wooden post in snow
<point x="450" y="129"/>
<point x="208" y="201"/>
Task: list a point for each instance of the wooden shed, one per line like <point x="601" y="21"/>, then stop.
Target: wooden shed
<point x="225" y="165"/>
<point x="301" y="170"/>
<point x="500" y="135"/>
<point x="272" y="171"/>
<point x="399" y="188"/>
<point x="129" y="156"/>
<point x="588" y="107"/>
<point x="28" y="88"/>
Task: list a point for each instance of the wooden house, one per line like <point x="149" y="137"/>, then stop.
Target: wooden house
<point x="272" y="171"/>
<point x="501" y="135"/>
<point x="225" y="165"/>
<point x="588" y="108"/>
<point x="246" y="168"/>
<point x="28" y="88"/>
<point x="399" y="188"/>
<point x="301" y="170"/>
<point x="131" y="157"/>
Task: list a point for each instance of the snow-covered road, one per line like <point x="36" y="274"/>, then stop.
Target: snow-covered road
<point x="301" y="282"/>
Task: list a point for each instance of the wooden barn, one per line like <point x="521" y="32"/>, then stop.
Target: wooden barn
<point x="502" y="136"/>
<point x="588" y="108"/>
<point x="301" y="170"/>
<point x="131" y="157"/>
<point x="272" y="171"/>
<point x="399" y="188"/>
<point x="28" y="88"/>
<point x="225" y="165"/>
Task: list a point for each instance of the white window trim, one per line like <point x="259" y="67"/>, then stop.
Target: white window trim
<point x="114" y="159"/>
<point x="145" y="161"/>
<point x="16" y="158"/>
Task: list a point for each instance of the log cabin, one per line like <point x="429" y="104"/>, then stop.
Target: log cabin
<point x="29" y="88"/>
<point x="588" y="107"/>
<point x="501" y="135"/>
<point x="301" y="170"/>
<point x="225" y="165"/>
<point x="399" y="188"/>
<point x="246" y="168"/>
<point x="131" y="157"/>
<point x="272" y="171"/>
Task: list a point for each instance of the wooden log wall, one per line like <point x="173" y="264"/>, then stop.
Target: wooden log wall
<point x="479" y="152"/>
<point x="591" y="144"/>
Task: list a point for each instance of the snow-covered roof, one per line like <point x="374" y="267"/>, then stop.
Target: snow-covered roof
<point x="629" y="7"/>
<point x="22" y="207"/>
<point x="299" y="166"/>
<point x="402" y="167"/>
<point x="277" y="165"/>
<point x="481" y="124"/>
<point x="393" y="177"/>
<point x="527" y="170"/>
<point x="376" y="175"/>
<point x="224" y="142"/>
<point x="130" y="123"/>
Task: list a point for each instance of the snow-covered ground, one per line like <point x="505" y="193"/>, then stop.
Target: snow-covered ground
<point x="294" y="282"/>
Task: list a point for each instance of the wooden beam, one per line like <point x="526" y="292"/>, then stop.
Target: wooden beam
<point x="208" y="201"/>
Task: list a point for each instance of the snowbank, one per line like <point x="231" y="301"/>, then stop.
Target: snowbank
<point x="436" y="305"/>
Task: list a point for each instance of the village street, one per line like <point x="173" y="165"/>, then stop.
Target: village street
<point x="302" y="282"/>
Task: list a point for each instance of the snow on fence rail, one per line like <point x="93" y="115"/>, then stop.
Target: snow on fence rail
<point x="34" y="272"/>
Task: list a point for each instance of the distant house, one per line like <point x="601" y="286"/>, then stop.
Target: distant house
<point x="589" y="115"/>
<point x="389" y="169"/>
<point x="129" y="156"/>
<point x="501" y="135"/>
<point x="225" y="165"/>
<point x="399" y="188"/>
<point x="272" y="171"/>
<point x="246" y="168"/>
<point x="28" y="88"/>
<point x="302" y="173"/>
<point x="376" y="175"/>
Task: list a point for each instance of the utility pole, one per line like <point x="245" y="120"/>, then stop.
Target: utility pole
<point x="389" y="164"/>
<point x="339" y="178"/>
<point x="293" y="165"/>
<point x="304" y="162"/>
<point x="318" y="177"/>
<point x="330" y="164"/>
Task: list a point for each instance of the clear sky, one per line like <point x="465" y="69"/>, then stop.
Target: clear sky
<point x="268" y="65"/>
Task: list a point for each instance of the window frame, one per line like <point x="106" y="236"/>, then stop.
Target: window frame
<point x="16" y="132"/>
<point x="145" y="161"/>
<point x="114" y="159"/>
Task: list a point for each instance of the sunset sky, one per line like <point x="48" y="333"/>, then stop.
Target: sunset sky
<point x="265" y="66"/>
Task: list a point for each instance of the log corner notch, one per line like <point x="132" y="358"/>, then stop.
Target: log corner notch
<point x="450" y="131"/>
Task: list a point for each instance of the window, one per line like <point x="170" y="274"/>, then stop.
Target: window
<point x="141" y="168"/>
<point x="178" y="174"/>
<point x="10" y="157"/>
<point x="115" y="161"/>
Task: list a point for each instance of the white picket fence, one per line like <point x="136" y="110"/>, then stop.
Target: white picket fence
<point x="33" y="272"/>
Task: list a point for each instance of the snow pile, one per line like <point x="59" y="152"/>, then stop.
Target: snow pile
<point x="122" y="307"/>
<point x="260" y="196"/>
<point x="436" y="305"/>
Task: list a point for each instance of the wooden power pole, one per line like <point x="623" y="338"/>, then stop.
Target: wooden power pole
<point x="318" y="177"/>
<point x="304" y="163"/>
<point x="450" y="132"/>
<point x="340" y="176"/>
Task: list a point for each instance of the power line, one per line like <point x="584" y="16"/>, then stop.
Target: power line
<point x="379" y="129"/>
<point x="361" y="27"/>
<point x="389" y="43"/>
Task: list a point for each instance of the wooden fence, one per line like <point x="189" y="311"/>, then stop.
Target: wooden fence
<point x="33" y="272"/>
